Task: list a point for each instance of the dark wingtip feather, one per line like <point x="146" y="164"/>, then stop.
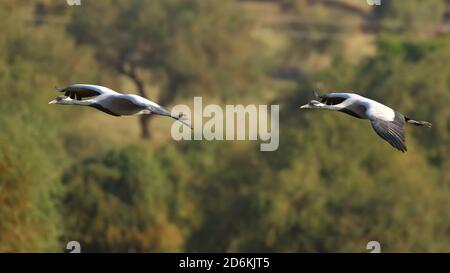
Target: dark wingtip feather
<point x="391" y="133"/>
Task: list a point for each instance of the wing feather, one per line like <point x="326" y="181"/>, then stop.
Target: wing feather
<point x="391" y="132"/>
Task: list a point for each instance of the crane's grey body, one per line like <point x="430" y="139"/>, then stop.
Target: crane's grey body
<point x="112" y="102"/>
<point x="386" y="122"/>
<point x="121" y="105"/>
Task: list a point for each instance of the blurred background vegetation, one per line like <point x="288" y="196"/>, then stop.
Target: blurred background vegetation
<point x="122" y="184"/>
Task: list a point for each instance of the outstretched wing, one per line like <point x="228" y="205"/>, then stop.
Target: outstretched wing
<point x="80" y="91"/>
<point x="392" y="132"/>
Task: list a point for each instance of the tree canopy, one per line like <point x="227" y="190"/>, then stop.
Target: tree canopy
<point x="75" y="174"/>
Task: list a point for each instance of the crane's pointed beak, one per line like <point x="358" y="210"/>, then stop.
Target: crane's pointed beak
<point x="52" y="102"/>
<point x="306" y="106"/>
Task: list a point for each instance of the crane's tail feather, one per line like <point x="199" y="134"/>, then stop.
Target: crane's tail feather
<point x="164" y="112"/>
<point x="183" y="119"/>
<point x="420" y="123"/>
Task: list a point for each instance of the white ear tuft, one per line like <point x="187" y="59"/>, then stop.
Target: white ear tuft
<point x="315" y="93"/>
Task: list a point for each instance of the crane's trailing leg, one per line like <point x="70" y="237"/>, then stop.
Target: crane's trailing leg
<point x="419" y="123"/>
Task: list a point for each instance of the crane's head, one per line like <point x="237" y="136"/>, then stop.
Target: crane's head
<point x="313" y="104"/>
<point x="61" y="100"/>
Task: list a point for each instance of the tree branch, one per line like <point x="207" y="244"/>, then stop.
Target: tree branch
<point x="132" y="74"/>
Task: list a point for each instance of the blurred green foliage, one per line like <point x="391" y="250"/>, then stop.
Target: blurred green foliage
<point x="31" y="154"/>
<point x="333" y="185"/>
<point x="415" y="18"/>
<point x="120" y="201"/>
